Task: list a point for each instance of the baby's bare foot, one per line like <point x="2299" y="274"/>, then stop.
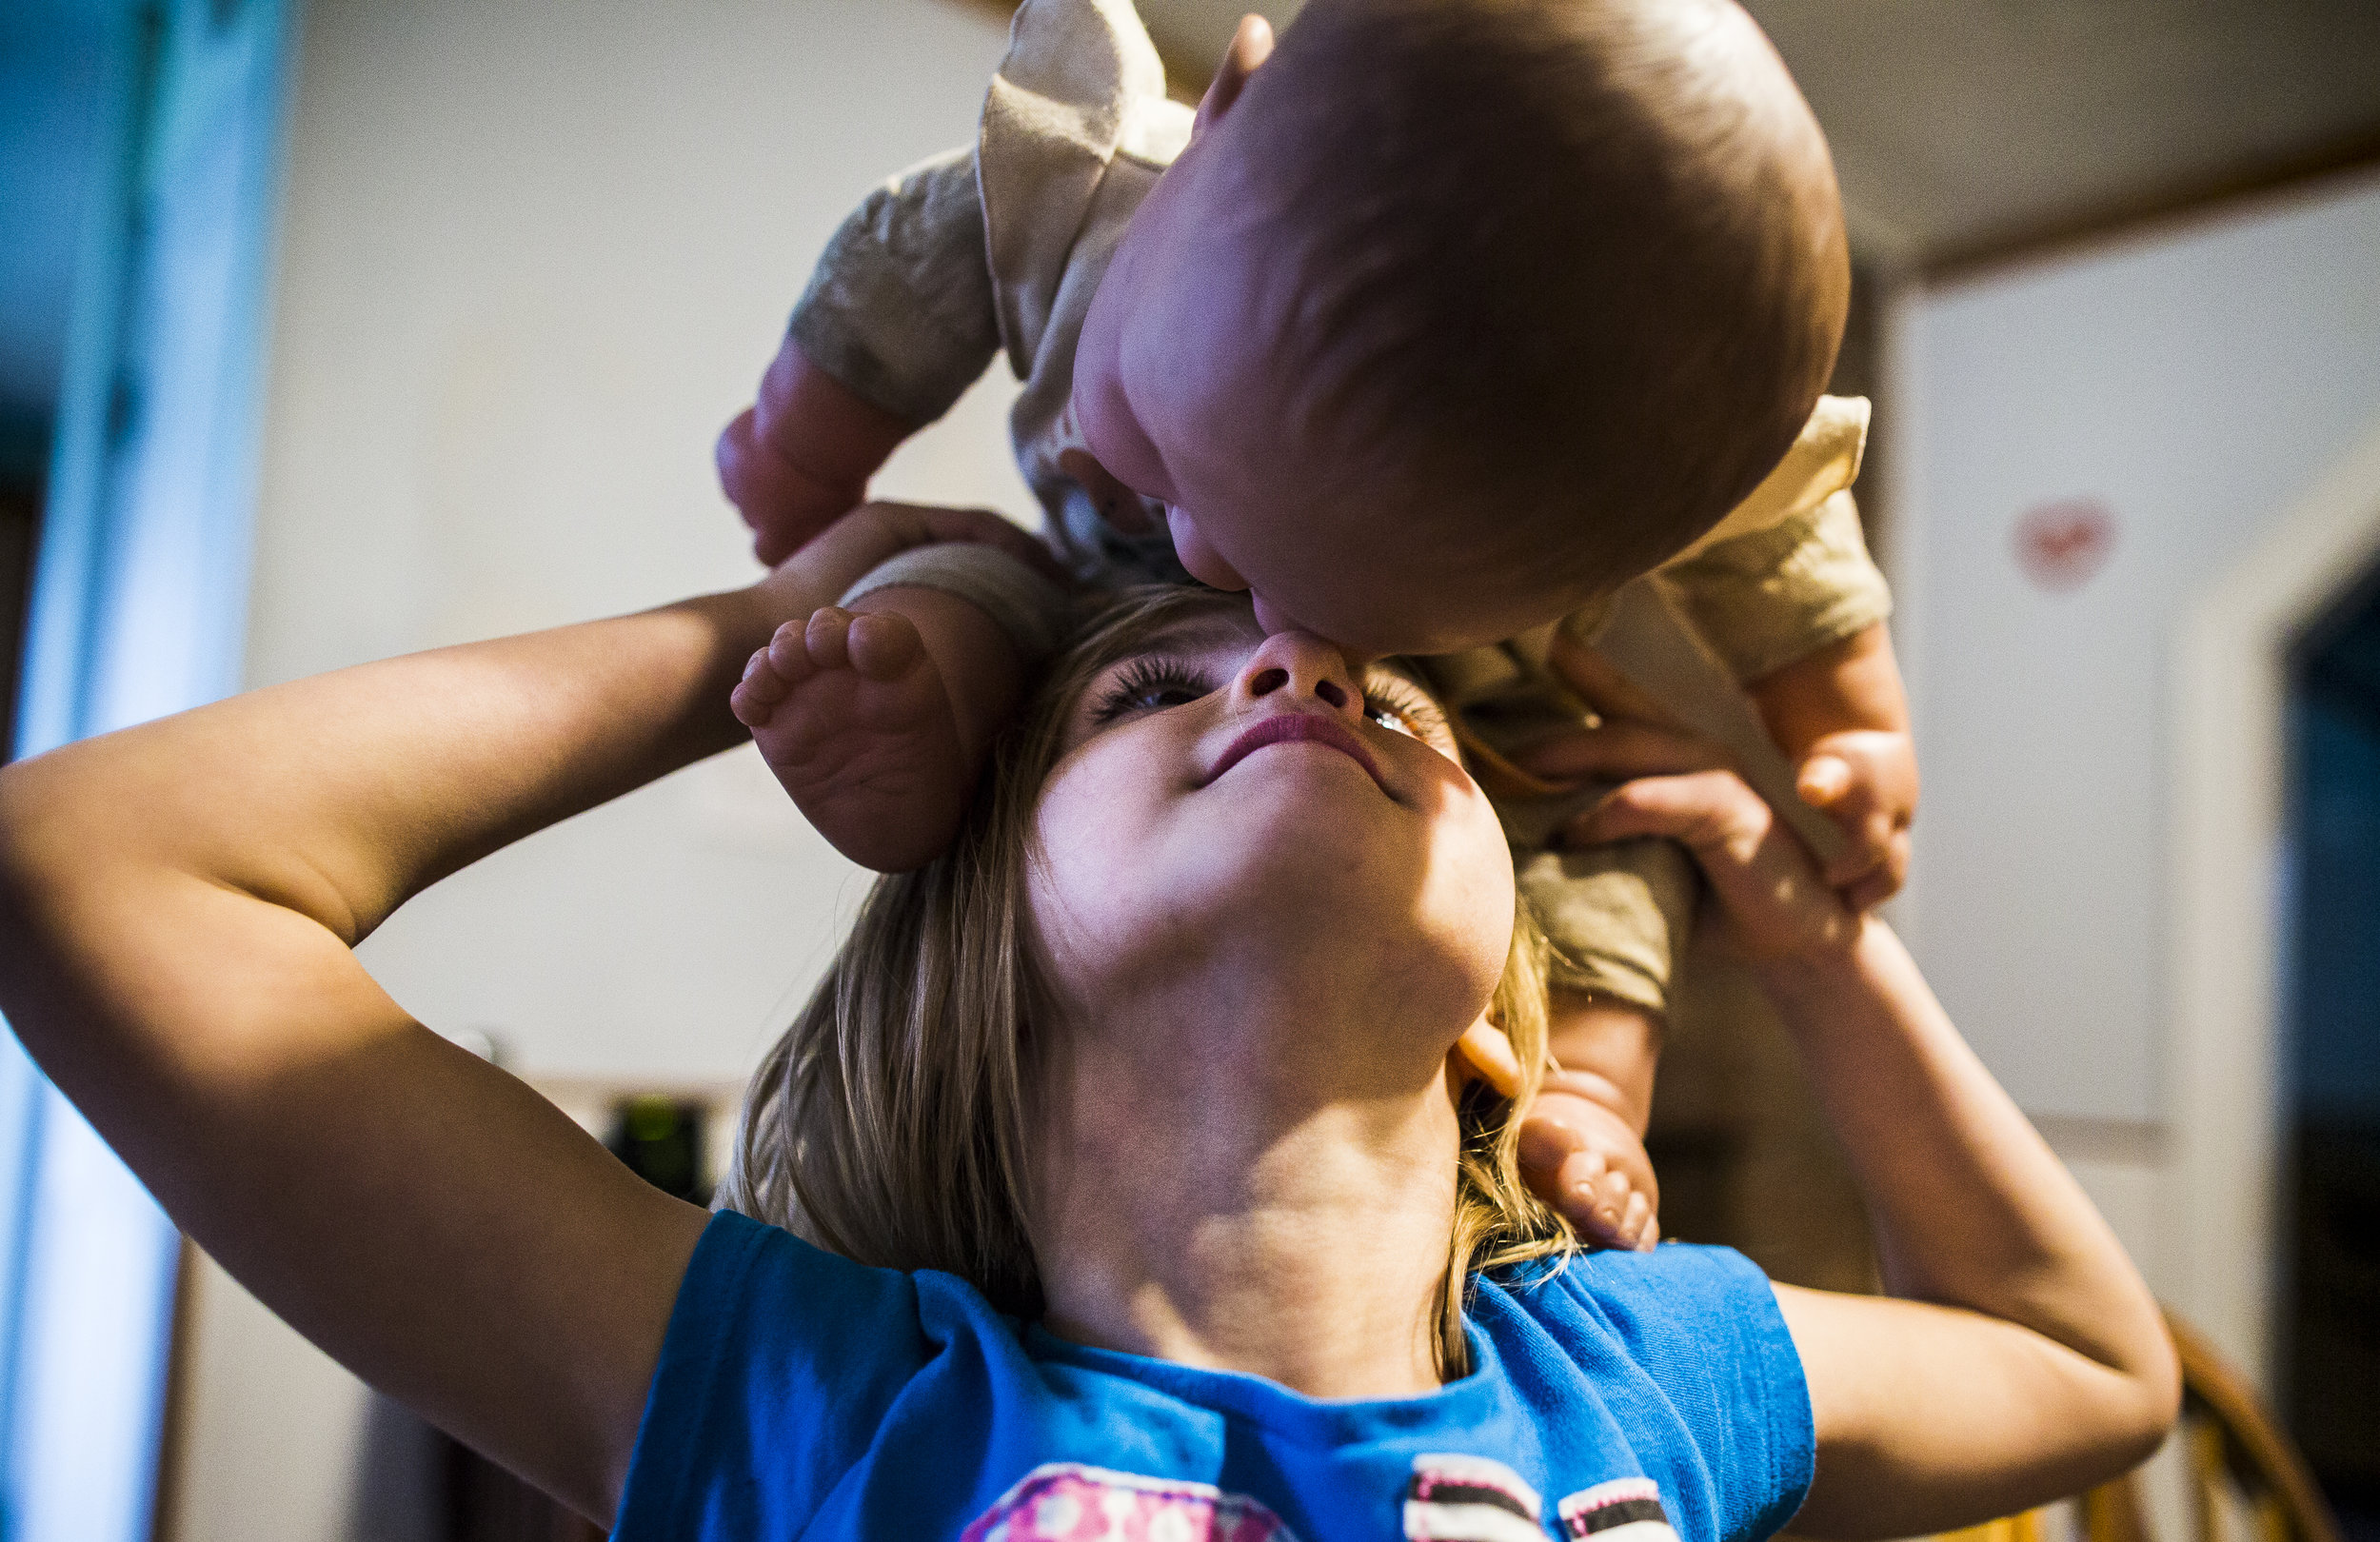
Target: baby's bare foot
<point x="851" y="714"/>
<point x="1586" y="1162"/>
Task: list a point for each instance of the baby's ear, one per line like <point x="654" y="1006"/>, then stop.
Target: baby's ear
<point x="1250" y="46"/>
<point x="1484" y="1051"/>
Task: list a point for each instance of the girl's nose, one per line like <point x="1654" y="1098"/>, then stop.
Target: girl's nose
<point x="1305" y="666"/>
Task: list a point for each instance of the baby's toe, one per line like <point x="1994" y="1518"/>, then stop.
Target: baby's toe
<point x="1581" y="1187"/>
<point x="756" y="696"/>
<point x="828" y="638"/>
<point x="883" y="645"/>
<point x="1547" y="1143"/>
<point x="1635" y="1223"/>
<point x="789" y="655"/>
<point x="1594" y="1197"/>
<point x="760" y="673"/>
<point x="1611" y="1204"/>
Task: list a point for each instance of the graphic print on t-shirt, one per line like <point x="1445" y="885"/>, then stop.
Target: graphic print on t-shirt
<point x="1624" y="1509"/>
<point x="1069" y="1502"/>
<point x="1454" y="1498"/>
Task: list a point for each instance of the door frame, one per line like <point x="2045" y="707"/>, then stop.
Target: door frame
<point x="2227" y="958"/>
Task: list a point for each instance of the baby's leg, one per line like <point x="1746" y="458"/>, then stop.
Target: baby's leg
<point x="1617" y="916"/>
<point x="1584" y="1138"/>
<point x="875" y="718"/>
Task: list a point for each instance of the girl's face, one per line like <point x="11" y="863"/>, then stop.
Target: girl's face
<point x="1239" y="822"/>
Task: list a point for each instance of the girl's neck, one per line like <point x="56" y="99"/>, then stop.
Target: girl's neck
<point x="1197" y="1213"/>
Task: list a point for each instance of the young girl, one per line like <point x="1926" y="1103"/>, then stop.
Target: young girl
<point x="1160" y="1055"/>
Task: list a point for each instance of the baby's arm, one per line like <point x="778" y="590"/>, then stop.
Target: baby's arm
<point x="2025" y="1359"/>
<point x="177" y="906"/>
<point x="1839" y="714"/>
<point x="1785" y="591"/>
<point x="876" y="722"/>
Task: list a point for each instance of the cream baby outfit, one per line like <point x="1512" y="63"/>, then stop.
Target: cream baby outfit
<point x="997" y="249"/>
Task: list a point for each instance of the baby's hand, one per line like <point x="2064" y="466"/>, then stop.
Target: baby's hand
<point x="1865" y="779"/>
<point x="1841" y="717"/>
<point x="800" y="457"/>
<point x="782" y="505"/>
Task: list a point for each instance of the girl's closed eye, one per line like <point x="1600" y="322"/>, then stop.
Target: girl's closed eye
<point x="1151" y="684"/>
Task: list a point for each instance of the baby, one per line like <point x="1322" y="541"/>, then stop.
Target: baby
<point x="1431" y="330"/>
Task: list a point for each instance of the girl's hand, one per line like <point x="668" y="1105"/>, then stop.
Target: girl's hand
<point x="1777" y="904"/>
<point x="2025" y="1358"/>
<point x="854" y="545"/>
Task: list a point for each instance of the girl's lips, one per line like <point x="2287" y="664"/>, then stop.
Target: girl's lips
<point x="1310" y="727"/>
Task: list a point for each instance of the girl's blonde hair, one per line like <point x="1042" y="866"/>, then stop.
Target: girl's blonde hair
<point x="891" y="1123"/>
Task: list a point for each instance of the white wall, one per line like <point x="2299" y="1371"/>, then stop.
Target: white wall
<point x="534" y="255"/>
<point x="2197" y="383"/>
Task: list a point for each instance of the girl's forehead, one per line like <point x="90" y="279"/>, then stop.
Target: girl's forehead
<point x="1218" y="629"/>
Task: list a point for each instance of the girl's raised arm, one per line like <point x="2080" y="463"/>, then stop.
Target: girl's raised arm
<point x="177" y="906"/>
<point x="2020" y="1357"/>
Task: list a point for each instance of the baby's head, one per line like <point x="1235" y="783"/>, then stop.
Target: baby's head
<point x="1457" y="313"/>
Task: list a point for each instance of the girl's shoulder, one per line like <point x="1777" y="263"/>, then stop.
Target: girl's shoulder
<point x="781" y="1358"/>
<point x="1649" y="1306"/>
<point x="1689" y="1277"/>
<point x="1684" y="1352"/>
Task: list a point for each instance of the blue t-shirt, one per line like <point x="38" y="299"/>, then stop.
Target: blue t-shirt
<point x="803" y="1396"/>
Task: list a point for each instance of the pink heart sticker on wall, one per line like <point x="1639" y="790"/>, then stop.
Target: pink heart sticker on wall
<point x="2062" y="545"/>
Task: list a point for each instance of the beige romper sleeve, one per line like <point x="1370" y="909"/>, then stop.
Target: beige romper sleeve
<point x="899" y="306"/>
<point x="1788" y="571"/>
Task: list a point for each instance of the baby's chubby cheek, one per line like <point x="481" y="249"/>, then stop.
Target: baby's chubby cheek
<point x="1202" y="561"/>
<point x="1199" y="557"/>
<point x="1275" y="620"/>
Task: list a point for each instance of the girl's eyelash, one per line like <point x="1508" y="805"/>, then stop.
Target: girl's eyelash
<point x="1145" y="679"/>
<point x="1401" y="695"/>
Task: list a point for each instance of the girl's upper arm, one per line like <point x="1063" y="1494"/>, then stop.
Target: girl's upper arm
<point x="426" y="1218"/>
<point x="1931" y="1417"/>
<point x="177" y="906"/>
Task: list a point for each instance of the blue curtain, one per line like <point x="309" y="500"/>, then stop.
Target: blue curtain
<point x="139" y="609"/>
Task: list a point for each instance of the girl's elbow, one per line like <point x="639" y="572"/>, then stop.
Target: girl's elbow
<point x="58" y="848"/>
<point x="2143" y="1412"/>
<point x="28" y="838"/>
<point x="48" y="825"/>
<point x="2158" y="1385"/>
